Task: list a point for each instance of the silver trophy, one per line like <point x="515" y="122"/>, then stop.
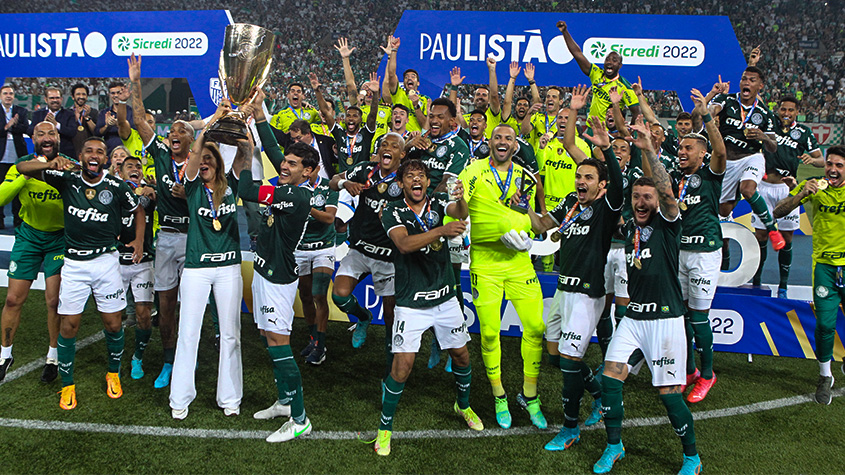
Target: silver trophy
<point x="244" y="66"/>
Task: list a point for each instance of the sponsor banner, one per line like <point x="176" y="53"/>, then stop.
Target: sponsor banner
<point x="669" y="52"/>
<point x="174" y="44"/>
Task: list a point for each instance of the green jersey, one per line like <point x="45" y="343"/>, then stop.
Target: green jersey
<point x="828" y="211"/>
<point x="700" y="192"/>
<point x="654" y="290"/>
<point x="285" y="117"/>
<point x="448" y="154"/>
<point x="492" y="121"/>
<point x="127" y="232"/>
<point x="670" y="162"/>
<point x="92" y="212"/>
<point x="477" y="148"/>
<point x="208" y="247"/>
<point x="671" y="143"/>
<point x="352" y="149"/>
<point x="320" y="235"/>
<point x="366" y="233"/>
<point x="793" y="141"/>
<point x="424" y="278"/>
<point x="629" y="176"/>
<point x="734" y="117"/>
<point x="172" y="211"/>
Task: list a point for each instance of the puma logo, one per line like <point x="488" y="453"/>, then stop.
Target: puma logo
<point x="273" y="320"/>
<point x="671" y="373"/>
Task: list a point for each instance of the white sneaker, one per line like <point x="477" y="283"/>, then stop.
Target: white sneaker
<point x="290" y="430"/>
<point x="179" y="414"/>
<point x="231" y="411"/>
<point x="276" y="410"/>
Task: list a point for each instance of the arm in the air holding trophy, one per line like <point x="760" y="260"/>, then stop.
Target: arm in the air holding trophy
<point x="192" y="168"/>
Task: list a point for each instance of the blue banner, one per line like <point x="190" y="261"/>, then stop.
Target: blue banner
<point x="669" y="52"/>
<point x="173" y="44"/>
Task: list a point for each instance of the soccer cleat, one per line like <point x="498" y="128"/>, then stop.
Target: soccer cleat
<point x="383" y="442"/>
<point x="179" y="414"/>
<point x="5" y="364"/>
<point x="231" y="411"/>
<point x="68" y="400"/>
<point x="317" y="356"/>
<point x="566" y="438"/>
<point x="823" y="393"/>
<point x="611" y="454"/>
<point x="503" y="414"/>
<point x="51" y="370"/>
<point x="691" y="379"/>
<point x="533" y="407"/>
<point x="473" y="421"/>
<point x="448" y="367"/>
<point x="290" y="430"/>
<point x="701" y="388"/>
<point x="163" y="379"/>
<point x="777" y="240"/>
<point x="595" y="414"/>
<point x="782" y="294"/>
<point x="276" y="410"/>
<point x="691" y="466"/>
<point x="434" y="357"/>
<point x="137" y="369"/>
<point x="312" y="343"/>
<point x="599" y="373"/>
<point x="113" y="388"/>
<point x="359" y="335"/>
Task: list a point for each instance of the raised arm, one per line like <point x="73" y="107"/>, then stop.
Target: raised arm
<point x="493" y="86"/>
<point x="456" y="80"/>
<point x="507" y="107"/>
<point x="574" y="49"/>
<point x="618" y="118"/>
<point x="719" y="156"/>
<point x="327" y="111"/>
<point x="647" y="112"/>
<point x="390" y="74"/>
<point x="123" y="127"/>
<point x="652" y="167"/>
<point x="526" y="126"/>
<point x="192" y="168"/>
<point x="372" y="116"/>
<point x="578" y="101"/>
<point x="144" y="130"/>
<point x="601" y="139"/>
<point x="265" y="133"/>
<point x="345" y="51"/>
<point x="529" y="76"/>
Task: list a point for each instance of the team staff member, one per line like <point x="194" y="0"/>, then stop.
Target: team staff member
<point x="93" y="203"/>
<point x="408" y="95"/>
<point x="826" y="198"/>
<point x="212" y="264"/>
<point x="39" y="239"/>
<point x="425" y="294"/>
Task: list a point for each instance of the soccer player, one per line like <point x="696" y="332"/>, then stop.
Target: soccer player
<point x="138" y="276"/>
<point x="653" y="322"/>
<point x="169" y="161"/>
<point x="796" y="145"/>
<point x="425" y="295"/>
<point x="584" y="223"/>
<point x="683" y="126"/>
<point x="602" y="79"/>
<point x="39" y="239"/>
<point x="747" y="125"/>
<point x="486" y="98"/>
<point x="212" y="264"/>
<point x="441" y="150"/>
<point x="363" y="98"/>
<point x="407" y="95"/>
<point x="535" y="124"/>
<point x="698" y="188"/>
<point x="93" y="203"/>
<point x="522" y="105"/>
<point x="826" y="199"/>
<point x="500" y="264"/>
<point x="295" y="110"/>
<point x="399" y="115"/>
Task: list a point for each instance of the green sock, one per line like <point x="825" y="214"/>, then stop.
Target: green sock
<point x="388" y="348"/>
<point x="67" y="355"/>
<point x="169" y="354"/>
<point x="703" y="340"/>
<point x="463" y="378"/>
<point x="612" y="408"/>
<point x="554" y="361"/>
<point x="758" y="276"/>
<point x="590" y="383"/>
<point x="350" y="305"/>
<point x="758" y="206"/>
<point x="457" y="272"/>
<point x="114" y="345"/>
<point x="312" y="330"/>
<point x="681" y="419"/>
<point x="321" y="340"/>
<point x="392" y="393"/>
<point x="573" y="389"/>
<point x="604" y="331"/>
<point x="784" y="263"/>
<point x="285" y="364"/>
<point x="688" y="332"/>
<point x="142" y="338"/>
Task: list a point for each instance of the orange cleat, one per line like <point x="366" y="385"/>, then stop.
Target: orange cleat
<point x="113" y="385"/>
<point x="691" y="379"/>
<point x="68" y="401"/>
<point x="701" y="388"/>
<point x="777" y="240"/>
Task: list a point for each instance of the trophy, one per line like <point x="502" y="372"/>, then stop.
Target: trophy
<point x="244" y="65"/>
<point x="525" y="184"/>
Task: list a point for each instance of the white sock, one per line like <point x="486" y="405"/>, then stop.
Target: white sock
<point x="6" y="351"/>
<point x="824" y="368"/>
<point x="52" y="353"/>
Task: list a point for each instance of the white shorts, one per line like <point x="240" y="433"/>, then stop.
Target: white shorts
<point x="663" y="342"/>
<point x="170" y="259"/>
<point x="446" y="319"/>
<point x="101" y="276"/>
<point x="139" y="279"/>
<point x="577" y="316"/>
<point x="307" y="261"/>
<point x="348" y="201"/>
<point x="751" y="167"/>
<point x="272" y="305"/>
<point x="699" y="275"/>
<point x="356" y="264"/>
<point x="616" y="271"/>
<point x="772" y="193"/>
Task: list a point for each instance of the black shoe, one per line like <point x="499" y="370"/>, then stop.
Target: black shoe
<point x="51" y="371"/>
<point x="312" y="345"/>
<point x="317" y="356"/>
<point x="5" y="364"/>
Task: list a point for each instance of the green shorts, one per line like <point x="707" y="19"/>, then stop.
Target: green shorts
<point x="32" y="249"/>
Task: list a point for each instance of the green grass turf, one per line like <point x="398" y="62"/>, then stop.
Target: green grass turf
<point x="344" y="395"/>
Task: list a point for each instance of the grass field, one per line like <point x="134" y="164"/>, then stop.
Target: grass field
<point x="342" y="398"/>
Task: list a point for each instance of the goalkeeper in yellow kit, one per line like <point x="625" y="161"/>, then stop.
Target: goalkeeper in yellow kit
<point x="500" y="264"/>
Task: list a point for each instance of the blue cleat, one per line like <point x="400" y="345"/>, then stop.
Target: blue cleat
<point x="448" y="367"/>
<point x="782" y="294"/>
<point x="565" y="439"/>
<point x="359" y="335"/>
<point x="503" y="414"/>
<point x="595" y="414"/>
<point x="691" y="466"/>
<point x="163" y="379"/>
<point x="611" y="454"/>
<point x="137" y="369"/>
<point x="598" y="373"/>
<point x="532" y="405"/>
<point x="434" y="358"/>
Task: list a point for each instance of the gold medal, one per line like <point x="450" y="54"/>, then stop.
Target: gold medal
<point x="215" y="223"/>
<point x="682" y="205"/>
<point x="382" y="187"/>
<point x="139" y="190"/>
<point x="270" y="221"/>
<point x="822" y="184"/>
<point x="80" y="128"/>
<point x="349" y="161"/>
<point x="436" y="245"/>
<point x="555" y="237"/>
<point x="638" y="263"/>
<point x="41" y="158"/>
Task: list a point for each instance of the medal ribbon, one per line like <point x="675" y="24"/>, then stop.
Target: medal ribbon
<point x="178" y="174"/>
<point x="507" y="184"/>
<point x="370" y="184"/>
<point x="637" y="243"/>
<point x="551" y="124"/>
<point x="428" y="224"/>
<point x="131" y="184"/>
<point x="209" y="195"/>
<point x="444" y="137"/>
<point x="298" y="116"/>
<point x="568" y="220"/>
<point x="683" y="187"/>
<point x="746" y="115"/>
<point x="348" y="146"/>
<point x="473" y="147"/>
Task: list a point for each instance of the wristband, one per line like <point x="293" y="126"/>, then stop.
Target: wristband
<point x="451" y="87"/>
<point x="707" y="117"/>
<point x="531" y="83"/>
<point x="341" y="182"/>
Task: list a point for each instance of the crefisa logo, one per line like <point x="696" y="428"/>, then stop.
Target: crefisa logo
<point x="69" y="43"/>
